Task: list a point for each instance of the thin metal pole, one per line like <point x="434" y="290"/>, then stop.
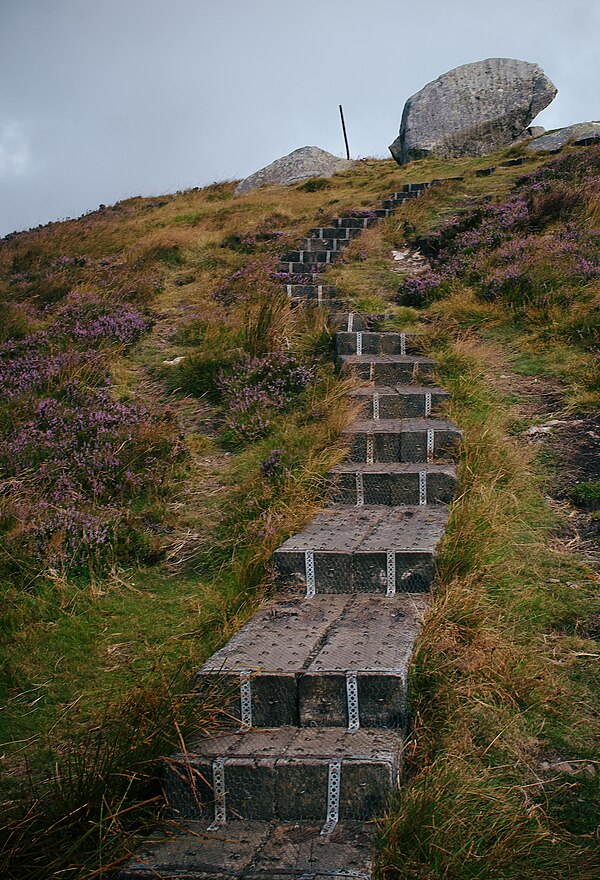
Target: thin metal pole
<point x="345" y="135"/>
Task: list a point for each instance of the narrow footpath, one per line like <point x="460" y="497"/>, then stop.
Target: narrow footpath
<point x="317" y="679"/>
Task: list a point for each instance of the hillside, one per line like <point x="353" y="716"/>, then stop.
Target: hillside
<point x="168" y="419"/>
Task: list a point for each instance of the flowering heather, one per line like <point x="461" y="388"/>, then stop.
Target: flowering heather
<point x="24" y="371"/>
<point x="271" y="466"/>
<point x="527" y="249"/>
<point x="259" y="386"/>
<point x="93" y="322"/>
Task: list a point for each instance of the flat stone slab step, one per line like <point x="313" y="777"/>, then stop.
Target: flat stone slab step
<point x="305" y="257"/>
<point x="367" y="549"/>
<point x="299" y="268"/>
<point x="254" y="850"/>
<point x="325" y="244"/>
<point x="357" y="221"/>
<point x="363" y="342"/>
<point x="414" y="440"/>
<point x="335" y="661"/>
<point x="392" y="483"/>
<point x="325" y="232"/>
<point x="349" y="321"/>
<point x="285" y="773"/>
<point x="389" y="369"/>
<point x="400" y="401"/>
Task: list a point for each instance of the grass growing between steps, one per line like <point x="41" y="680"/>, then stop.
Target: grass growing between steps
<point x="502" y="685"/>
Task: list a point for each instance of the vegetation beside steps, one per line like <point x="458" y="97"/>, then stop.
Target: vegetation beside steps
<point x="503" y="775"/>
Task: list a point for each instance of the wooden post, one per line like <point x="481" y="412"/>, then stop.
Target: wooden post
<point x="345" y="135"/>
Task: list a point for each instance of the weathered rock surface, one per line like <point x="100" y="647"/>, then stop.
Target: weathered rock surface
<point x="472" y="110"/>
<point x="299" y="165"/>
<point x="554" y="140"/>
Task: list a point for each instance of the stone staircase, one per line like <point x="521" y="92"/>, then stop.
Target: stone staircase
<point x="315" y="685"/>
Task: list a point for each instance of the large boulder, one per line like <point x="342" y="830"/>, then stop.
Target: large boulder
<point x="299" y="165"/>
<point x="555" y="140"/>
<point x="472" y="110"/>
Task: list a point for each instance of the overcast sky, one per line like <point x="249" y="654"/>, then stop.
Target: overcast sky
<point x="105" y="99"/>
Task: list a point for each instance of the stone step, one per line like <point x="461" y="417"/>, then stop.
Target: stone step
<point x="317" y="292"/>
<point x="392" y="483"/>
<point x="356" y="222"/>
<point x="363" y="550"/>
<point x="299" y="268"/>
<point x="349" y="322"/>
<point x="401" y="197"/>
<point x="400" y="401"/>
<point x="378" y="342"/>
<point x="409" y="440"/>
<point x="334" y="661"/>
<point x="413" y="187"/>
<point x="388" y="369"/>
<point x="327" y="232"/>
<point x="254" y="850"/>
<point x="286" y="773"/>
<point x="304" y="257"/>
<point x="299" y="278"/>
<point x="316" y="245"/>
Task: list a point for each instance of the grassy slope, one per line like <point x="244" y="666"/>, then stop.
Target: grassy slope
<point x="501" y="679"/>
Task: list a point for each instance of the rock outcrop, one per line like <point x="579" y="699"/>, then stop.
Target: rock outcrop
<point x="299" y="165"/>
<point x="555" y="140"/>
<point x="472" y="110"/>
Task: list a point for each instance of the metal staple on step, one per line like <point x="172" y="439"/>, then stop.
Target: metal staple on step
<point x="430" y="444"/>
<point x="301" y="256"/>
<point x="328" y="257"/>
<point x="309" y="564"/>
<point x="246" y="698"/>
<point x="352" y="697"/>
<point x="370" y="455"/>
<point x="289" y="289"/>
<point x="360" y="489"/>
<point x="376" y="406"/>
<point x="391" y="573"/>
<point x="333" y="797"/>
<point x="427" y="403"/>
<point x="350" y="322"/>
<point x="320" y="295"/>
<point x="359" y="338"/>
<point x="320" y="232"/>
<point x="218" y="772"/>
<point x="403" y="343"/>
<point x="422" y="487"/>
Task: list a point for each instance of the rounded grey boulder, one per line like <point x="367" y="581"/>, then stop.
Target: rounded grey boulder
<point x="555" y="140"/>
<point x="299" y="165"/>
<point x="472" y="110"/>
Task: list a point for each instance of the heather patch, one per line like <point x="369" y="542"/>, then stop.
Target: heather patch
<point x="257" y="388"/>
<point x="535" y="251"/>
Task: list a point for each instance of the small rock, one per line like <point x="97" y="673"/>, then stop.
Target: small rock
<point x="174" y="361"/>
<point x="555" y="140"/>
<point x="299" y="165"/>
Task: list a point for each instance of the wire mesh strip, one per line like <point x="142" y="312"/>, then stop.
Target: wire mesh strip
<point x="289" y="289"/>
<point x="333" y="797"/>
<point x="218" y="771"/>
<point x="320" y="295"/>
<point x="246" y="698"/>
<point x="422" y="487"/>
<point x="359" y="338"/>
<point x="376" y="406"/>
<point x="371" y="372"/>
<point x="427" y="404"/>
<point x="430" y="444"/>
<point x="370" y="454"/>
<point x="352" y="699"/>
<point x="309" y="564"/>
<point x="360" y="489"/>
<point x="403" y="343"/>
<point x="391" y="573"/>
<point x="350" y="322"/>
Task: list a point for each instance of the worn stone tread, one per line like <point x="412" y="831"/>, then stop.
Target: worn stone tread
<point x="253" y="850"/>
